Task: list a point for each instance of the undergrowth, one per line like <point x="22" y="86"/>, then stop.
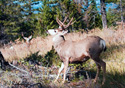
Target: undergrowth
<point x="48" y="60"/>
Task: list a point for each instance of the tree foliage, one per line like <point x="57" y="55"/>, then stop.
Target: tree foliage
<point x="18" y="16"/>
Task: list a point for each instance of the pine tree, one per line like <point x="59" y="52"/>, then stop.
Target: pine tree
<point x="46" y="16"/>
<point x="17" y="17"/>
<point x="10" y="18"/>
<point x="118" y="14"/>
<point x="69" y="8"/>
<point x="91" y="15"/>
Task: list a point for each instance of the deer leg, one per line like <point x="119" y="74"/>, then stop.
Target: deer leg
<point x="65" y="70"/>
<point x="103" y="65"/>
<point x="62" y="66"/>
<point x="98" y="71"/>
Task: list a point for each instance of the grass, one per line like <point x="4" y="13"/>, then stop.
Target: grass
<point x="115" y="57"/>
<point x="39" y="51"/>
<point x="21" y="49"/>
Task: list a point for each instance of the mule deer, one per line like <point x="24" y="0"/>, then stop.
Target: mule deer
<point x="77" y="51"/>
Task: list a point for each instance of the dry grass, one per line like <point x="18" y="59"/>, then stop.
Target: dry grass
<point x="21" y="49"/>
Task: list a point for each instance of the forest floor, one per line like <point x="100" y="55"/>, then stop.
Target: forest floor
<point x="43" y="77"/>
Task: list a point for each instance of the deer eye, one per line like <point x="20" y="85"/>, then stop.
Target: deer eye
<point x="55" y="31"/>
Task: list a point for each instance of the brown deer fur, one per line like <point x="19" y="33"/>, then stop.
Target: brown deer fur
<point x="78" y="51"/>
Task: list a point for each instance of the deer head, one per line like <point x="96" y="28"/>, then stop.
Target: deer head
<point x="62" y="27"/>
<point x="27" y="38"/>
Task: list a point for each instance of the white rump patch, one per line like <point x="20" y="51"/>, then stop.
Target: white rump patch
<point x="86" y="53"/>
<point x="102" y="44"/>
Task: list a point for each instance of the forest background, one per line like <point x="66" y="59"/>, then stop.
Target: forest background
<point x="36" y="17"/>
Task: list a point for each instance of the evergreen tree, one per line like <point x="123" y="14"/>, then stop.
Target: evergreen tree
<point x="69" y="8"/>
<point x="112" y="17"/>
<point x="10" y="18"/>
<point x="113" y="14"/>
<point x="46" y="17"/>
<point x="17" y="17"/>
<point x="91" y="15"/>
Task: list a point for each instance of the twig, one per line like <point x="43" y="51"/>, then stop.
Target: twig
<point x="18" y="68"/>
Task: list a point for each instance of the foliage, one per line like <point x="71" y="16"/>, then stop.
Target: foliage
<point x="10" y="19"/>
<point x="108" y="1"/>
<point x="112" y="17"/>
<point x="51" y="58"/>
<point x="14" y="18"/>
<point x="18" y="16"/>
<point x="93" y="19"/>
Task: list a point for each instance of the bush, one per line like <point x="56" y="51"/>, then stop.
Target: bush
<point x="51" y="58"/>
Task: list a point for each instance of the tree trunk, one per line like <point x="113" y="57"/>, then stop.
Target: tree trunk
<point x="122" y="19"/>
<point x="103" y="13"/>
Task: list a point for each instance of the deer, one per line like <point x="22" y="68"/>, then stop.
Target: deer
<point x="27" y="39"/>
<point x="77" y="51"/>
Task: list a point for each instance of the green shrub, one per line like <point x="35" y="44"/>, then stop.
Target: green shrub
<point x="51" y="58"/>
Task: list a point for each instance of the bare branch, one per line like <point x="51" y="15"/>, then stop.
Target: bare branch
<point x="18" y="68"/>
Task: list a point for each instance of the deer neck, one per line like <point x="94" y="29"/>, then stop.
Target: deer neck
<point x="58" y="42"/>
